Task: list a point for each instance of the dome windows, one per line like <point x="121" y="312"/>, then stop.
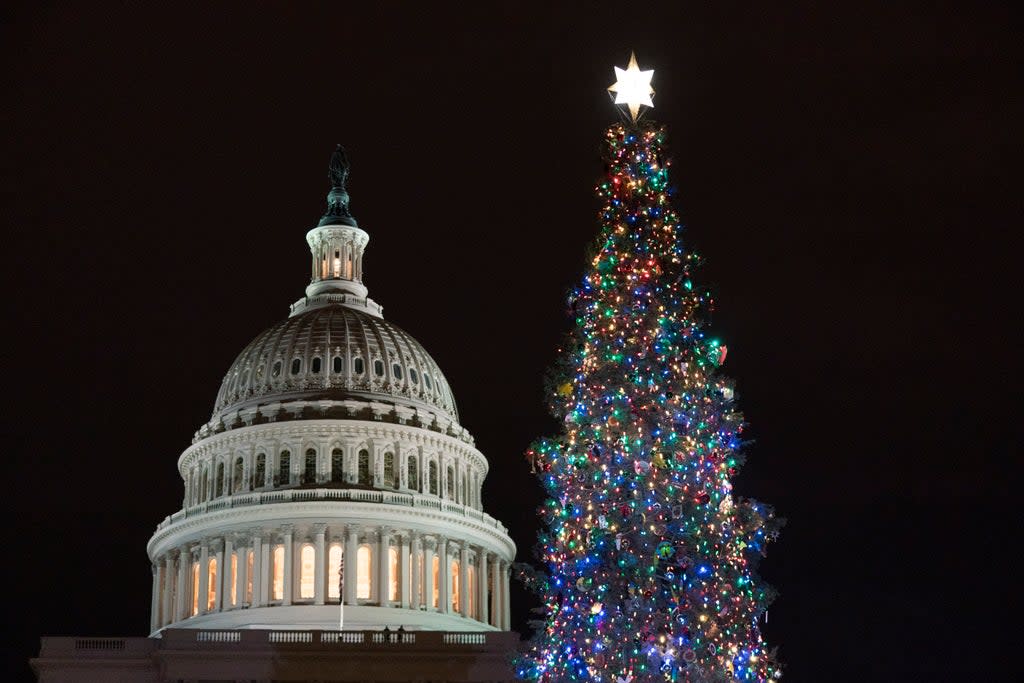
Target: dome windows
<point x="364" y="468"/>
<point x="396" y="369"/>
<point x="218" y="489"/>
<point x="390" y="480"/>
<point x="276" y="371"/>
<point x="413" y="376"/>
<point x="259" y="477"/>
<point x="426" y="381"/>
<point x="433" y="477"/>
<point x="338" y="365"/>
<point x="284" y="469"/>
<point x="357" y="365"/>
<point x="236" y="476"/>
<point x="412" y="474"/>
<point x="314" y="367"/>
<point x="337" y="466"/>
<point x="309" y="472"/>
<point x="296" y="366"/>
<point x="378" y="367"/>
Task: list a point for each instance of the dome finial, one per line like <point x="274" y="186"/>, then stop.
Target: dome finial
<point x="337" y="199"/>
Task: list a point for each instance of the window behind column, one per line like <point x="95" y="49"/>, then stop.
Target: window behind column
<point x="211" y="584"/>
<point x="277" y="587"/>
<point x="233" y="598"/>
<point x="333" y="571"/>
<point x="307" y="561"/>
<point x="364" y="573"/>
<point x="393" y="574"/>
<point x="456" y="605"/>
<point x="250" y="558"/>
<point x="435" y="600"/>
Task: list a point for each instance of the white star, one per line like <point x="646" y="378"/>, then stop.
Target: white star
<point x="633" y="87"/>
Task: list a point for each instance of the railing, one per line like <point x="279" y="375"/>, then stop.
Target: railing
<point x="218" y="636"/>
<point x="99" y="643"/>
<point x="358" y="495"/>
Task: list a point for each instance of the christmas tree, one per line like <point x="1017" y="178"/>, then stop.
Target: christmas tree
<point x="650" y="557"/>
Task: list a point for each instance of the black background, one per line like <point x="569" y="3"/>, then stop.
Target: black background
<point x="847" y="174"/>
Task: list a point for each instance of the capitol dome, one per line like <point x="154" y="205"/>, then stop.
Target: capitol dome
<point x="333" y="487"/>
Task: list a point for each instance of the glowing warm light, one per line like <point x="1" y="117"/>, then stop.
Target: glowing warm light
<point x="333" y="569"/>
<point x="393" y="574"/>
<point x="363" y="584"/>
<point x="277" y="588"/>
<point x="632" y="87"/>
<point x="307" y="569"/>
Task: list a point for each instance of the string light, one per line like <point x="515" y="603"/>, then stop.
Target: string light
<point x="650" y="558"/>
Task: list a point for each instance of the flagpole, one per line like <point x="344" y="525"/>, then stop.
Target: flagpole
<point x="341" y="594"/>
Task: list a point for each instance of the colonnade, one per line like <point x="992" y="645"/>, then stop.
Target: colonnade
<point x="298" y="565"/>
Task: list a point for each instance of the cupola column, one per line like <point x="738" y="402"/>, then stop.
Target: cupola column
<point x="416" y="560"/>
<point x="319" y="530"/>
<point x="242" y="553"/>
<point x="289" y="562"/>
<point x="444" y="580"/>
<point x="166" y="615"/>
<point x="429" y="583"/>
<point x="204" y="576"/>
<point x="222" y="579"/>
<point x="258" y="569"/>
<point x="464" y="580"/>
<point x="404" y="574"/>
<point x="496" y="593"/>
<point x="351" y="556"/>
<point x="181" y="593"/>
<point x="481" y="583"/>
<point x="506" y="615"/>
<point x="384" y="567"/>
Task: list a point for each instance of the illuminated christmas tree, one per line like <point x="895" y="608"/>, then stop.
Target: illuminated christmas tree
<point x="650" y="557"/>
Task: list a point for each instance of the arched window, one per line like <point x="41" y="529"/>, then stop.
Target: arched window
<point x="413" y="376"/>
<point x="465" y="485"/>
<point x="435" y="599"/>
<point x="315" y="366"/>
<point x="276" y="372"/>
<point x="338" y="365"/>
<point x="337" y="466"/>
<point x="284" y="468"/>
<point x="309" y="474"/>
<point x="426" y="380"/>
<point x="363" y="573"/>
<point x="412" y="475"/>
<point x="378" y="367"/>
<point x="450" y="482"/>
<point x="396" y="370"/>
<point x="471" y="577"/>
<point x="364" y="467"/>
<point x="195" y="588"/>
<point x="259" y="477"/>
<point x="211" y="584"/>
<point x="389" y="470"/>
<point x="233" y="598"/>
<point x="433" y="477"/>
<point x="250" y="559"/>
<point x="277" y="573"/>
<point x="333" y="572"/>
<point x="393" y="574"/>
<point x="219" y="488"/>
<point x="455" y="586"/>
<point x="307" y="568"/>
<point x="357" y="365"/>
<point x="236" y="476"/>
<point x="204" y="485"/>
<point x="296" y="366"/>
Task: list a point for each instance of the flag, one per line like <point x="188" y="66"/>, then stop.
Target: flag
<point x="341" y="578"/>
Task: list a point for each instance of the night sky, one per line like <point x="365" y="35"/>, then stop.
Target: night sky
<point x="848" y="175"/>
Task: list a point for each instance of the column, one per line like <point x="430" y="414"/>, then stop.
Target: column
<point x="506" y="608"/>
<point x="166" y="616"/>
<point x="261" y="546"/>
<point x="403" y="569"/>
<point x="242" y="552"/>
<point x="416" y="587"/>
<point x="444" y="580"/>
<point x="351" y="557"/>
<point x="217" y="588"/>
<point x="154" y="601"/>
<point x="319" y="583"/>
<point x="181" y="590"/>
<point x="289" y="560"/>
<point x="464" y="581"/>
<point x="496" y="593"/>
<point x="428" y="573"/>
<point x="204" y="575"/>
<point x="224" y="572"/>
<point x="383" y="567"/>
<point x="481" y="586"/>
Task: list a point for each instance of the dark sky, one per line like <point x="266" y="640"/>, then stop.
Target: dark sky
<point x="849" y="175"/>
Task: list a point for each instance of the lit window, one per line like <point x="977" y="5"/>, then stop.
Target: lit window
<point x="296" y="366"/>
<point x="315" y="366"/>
<point x="339" y="364"/>
<point x="436" y="570"/>
<point x="471" y="577"/>
<point x="397" y="370"/>
<point x="276" y="372"/>
<point x="278" y="573"/>
<point x="337" y="466"/>
<point x="195" y="588"/>
<point x="233" y="598"/>
<point x="363" y="573"/>
<point x="337" y="263"/>
<point x="455" y="586"/>
<point x="211" y="584"/>
<point x="413" y="376"/>
<point x="333" y="572"/>
<point x="393" y="573"/>
<point x="307" y="559"/>
<point x="378" y="367"/>
<point x="249" y="561"/>
<point x="389" y="470"/>
<point x="357" y="366"/>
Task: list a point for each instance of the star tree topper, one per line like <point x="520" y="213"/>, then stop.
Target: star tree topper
<point x="633" y="87"/>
